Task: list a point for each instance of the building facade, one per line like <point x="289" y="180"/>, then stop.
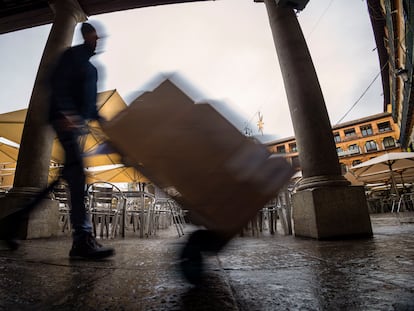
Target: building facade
<point x="393" y="26"/>
<point x="356" y="141"/>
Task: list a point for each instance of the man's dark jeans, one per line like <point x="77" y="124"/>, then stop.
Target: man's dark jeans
<point x="73" y="173"/>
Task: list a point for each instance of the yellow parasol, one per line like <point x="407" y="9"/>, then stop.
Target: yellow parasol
<point x="109" y="105"/>
<point x="116" y="174"/>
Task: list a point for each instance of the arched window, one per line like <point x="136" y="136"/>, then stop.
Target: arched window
<point x="388" y="142"/>
<point x="353" y="149"/>
<point x="371" y="146"/>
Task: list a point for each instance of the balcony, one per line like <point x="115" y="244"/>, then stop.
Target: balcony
<point x="346" y="153"/>
<point x="350" y="137"/>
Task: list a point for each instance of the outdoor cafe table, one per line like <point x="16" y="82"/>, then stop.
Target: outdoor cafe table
<point x="140" y="199"/>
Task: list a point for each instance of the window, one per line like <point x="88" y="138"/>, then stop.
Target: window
<point x="388" y="142"/>
<point x="384" y="126"/>
<point x="337" y="137"/>
<point x="371" y="146"/>
<point x="356" y="162"/>
<point x="281" y="149"/>
<point x="339" y="150"/>
<point x="366" y="130"/>
<point x="350" y="133"/>
<point x="293" y="148"/>
<point x="353" y="149"/>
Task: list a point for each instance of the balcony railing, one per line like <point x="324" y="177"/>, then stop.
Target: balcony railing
<point x="345" y="153"/>
<point x="360" y="136"/>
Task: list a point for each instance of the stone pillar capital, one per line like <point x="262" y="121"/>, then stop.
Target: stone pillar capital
<point x="68" y="6"/>
<point x="25" y="192"/>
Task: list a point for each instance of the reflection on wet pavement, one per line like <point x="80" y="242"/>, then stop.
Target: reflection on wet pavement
<point x="253" y="273"/>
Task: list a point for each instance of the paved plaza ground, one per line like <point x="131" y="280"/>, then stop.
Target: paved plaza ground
<point x="253" y="273"/>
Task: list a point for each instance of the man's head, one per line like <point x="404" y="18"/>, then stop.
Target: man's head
<point x="89" y="35"/>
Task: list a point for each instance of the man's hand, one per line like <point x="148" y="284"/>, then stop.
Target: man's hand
<point x="73" y="122"/>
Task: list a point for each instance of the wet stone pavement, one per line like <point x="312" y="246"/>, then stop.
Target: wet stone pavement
<point x="253" y="273"/>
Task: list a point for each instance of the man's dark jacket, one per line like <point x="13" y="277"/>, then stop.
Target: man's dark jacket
<point x="74" y="84"/>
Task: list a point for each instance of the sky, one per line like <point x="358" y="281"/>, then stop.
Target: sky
<point x="225" y="50"/>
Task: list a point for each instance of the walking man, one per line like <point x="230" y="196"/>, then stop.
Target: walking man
<point x="73" y="103"/>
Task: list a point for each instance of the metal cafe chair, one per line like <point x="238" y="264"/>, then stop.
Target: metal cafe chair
<point x="163" y="218"/>
<point x="169" y="212"/>
<point x="277" y="209"/>
<point x="389" y="203"/>
<point x="140" y="212"/>
<point x="405" y="202"/>
<point x="60" y="193"/>
<point x="106" y="204"/>
<point x="270" y="216"/>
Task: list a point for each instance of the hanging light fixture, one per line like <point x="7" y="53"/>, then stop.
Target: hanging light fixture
<point x="402" y="73"/>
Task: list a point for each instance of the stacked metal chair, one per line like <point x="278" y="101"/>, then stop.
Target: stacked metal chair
<point x="106" y="204"/>
<point x="168" y="212"/>
<point x="60" y="193"/>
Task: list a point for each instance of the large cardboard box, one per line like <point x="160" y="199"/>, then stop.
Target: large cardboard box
<point x="209" y="167"/>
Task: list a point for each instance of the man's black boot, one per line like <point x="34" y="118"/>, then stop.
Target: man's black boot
<point x="88" y="248"/>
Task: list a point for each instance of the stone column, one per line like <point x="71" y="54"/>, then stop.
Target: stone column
<point x="323" y="194"/>
<point x="36" y="145"/>
<point x="35" y="149"/>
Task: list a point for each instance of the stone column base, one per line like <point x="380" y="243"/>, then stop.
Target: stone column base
<point x="43" y="222"/>
<point x="331" y="213"/>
